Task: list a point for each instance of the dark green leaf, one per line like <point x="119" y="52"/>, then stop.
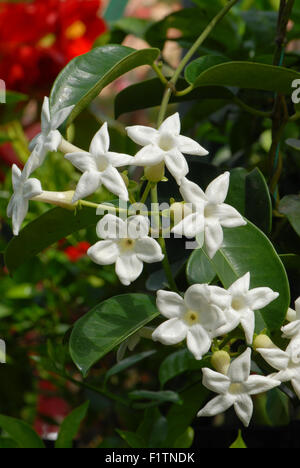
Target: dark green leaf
<point x="84" y="77"/>
<point x="21" y="432"/>
<point x="258" y="201"/>
<point x="132" y="439"/>
<point x="128" y="362"/>
<point x="290" y="207"/>
<point x="115" y="10"/>
<point x="198" y="66"/>
<point x="70" y="427"/>
<point x="177" y="363"/>
<point x="239" y="442"/>
<point x="161" y="397"/>
<point x="107" y="326"/>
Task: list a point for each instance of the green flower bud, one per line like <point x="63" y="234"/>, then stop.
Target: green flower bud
<point x="263" y="341"/>
<point x="221" y="361"/>
<point x="155" y="173"/>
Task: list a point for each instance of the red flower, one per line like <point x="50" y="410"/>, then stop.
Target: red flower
<point x="75" y="253"/>
<point x="38" y="39"/>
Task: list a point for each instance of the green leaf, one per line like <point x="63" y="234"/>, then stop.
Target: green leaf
<point x="115" y="10"/>
<point x="128" y="362"/>
<point x="21" y="432"/>
<point x="177" y="363"/>
<point x="44" y="231"/>
<point x="186" y="439"/>
<point x="149" y="93"/>
<point x="132" y="439"/>
<point x="258" y="201"/>
<point x="7" y="443"/>
<point x="161" y="396"/>
<point x="290" y="207"/>
<point x="239" y="442"/>
<point x="198" y="66"/>
<point x="247" y="249"/>
<point x="247" y="75"/>
<point x="70" y="427"/>
<point x="293" y="143"/>
<point x="107" y="326"/>
<point x="84" y="77"/>
<point x="199" y="269"/>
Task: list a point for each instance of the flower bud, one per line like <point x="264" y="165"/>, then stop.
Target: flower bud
<point x="179" y="211"/>
<point x="63" y="199"/>
<point x="124" y="176"/>
<point x="221" y="361"/>
<point x="263" y="341"/>
<point x="155" y="173"/>
<point x="291" y="315"/>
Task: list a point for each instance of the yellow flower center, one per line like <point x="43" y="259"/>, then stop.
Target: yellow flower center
<point x="76" y="30"/>
<point x="192" y="317"/>
<point x="238" y="303"/>
<point x="126" y="244"/>
<point x="236" y="388"/>
<point x="166" y="142"/>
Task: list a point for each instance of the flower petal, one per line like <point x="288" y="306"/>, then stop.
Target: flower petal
<point x="142" y="135"/>
<point x="296" y="385"/>
<point x="192" y="193"/>
<point x="45" y="116"/>
<point x="170" y="332"/>
<point x="239" y="369"/>
<point x="104" y="252"/>
<point x="60" y="116"/>
<point x="217" y="190"/>
<point x="119" y="159"/>
<point x="217" y="405"/>
<point x="248" y="325"/>
<point x="259" y="298"/>
<point x="259" y="384"/>
<point x="241" y="286"/>
<point x="171" y="125"/>
<point x="188" y="146"/>
<point x="111" y="227"/>
<point x="176" y="164"/>
<point x="229" y="217"/>
<point x="243" y="407"/>
<point x="138" y="226"/>
<point x="128" y="268"/>
<point x="32" y="188"/>
<point x="114" y="183"/>
<point x="148" y="250"/>
<point x="100" y="143"/>
<point x="275" y="357"/>
<point x="53" y="140"/>
<point x="190" y="226"/>
<point x="215" y="381"/>
<point x="84" y="161"/>
<point x="170" y="304"/>
<point x="88" y="184"/>
<point x="19" y="213"/>
<point x="213" y="237"/>
<point x="150" y="155"/>
<point x="198" y="341"/>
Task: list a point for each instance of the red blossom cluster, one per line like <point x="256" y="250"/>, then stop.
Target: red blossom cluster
<point x="76" y="252"/>
<point x="39" y="37"/>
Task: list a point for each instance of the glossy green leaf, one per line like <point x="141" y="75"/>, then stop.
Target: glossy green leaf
<point x="239" y="442"/>
<point x="177" y="363"/>
<point x="161" y="397"/>
<point x="70" y="427"/>
<point x="247" y="249"/>
<point x="198" y="66"/>
<point x="132" y="439"/>
<point x="186" y="439"/>
<point x="84" y="77"/>
<point x="128" y="362"/>
<point x="115" y="10"/>
<point x="44" y="231"/>
<point x="21" y="433"/>
<point x="246" y="75"/>
<point x="199" y="269"/>
<point x="149" y="93"/>
<point x="258" y="201"/>
<point x="290" y="207"/>
<point x="107" y="326"/>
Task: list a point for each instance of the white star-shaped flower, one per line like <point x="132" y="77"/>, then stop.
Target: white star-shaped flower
<point x="196" y="317"/>
<point x="50" y="138"/>
<point x="24" y="190"/>
<point x="99" y="167"/>
<point x="286" y="362"/>
<point x="210" y="213"/>
<point x="243" y="302"/>
<point x="235" y="388"/>
<point x="165" y="144"/>
<point x="127" y="244"/>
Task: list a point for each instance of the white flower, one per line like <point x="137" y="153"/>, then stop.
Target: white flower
<point x="133" y="341"/>
<point x="235" y="388"/>
<point x="292" y="329"/>
<point x="286" y="362"/>
<point x="99" y="167"/>
<point x="24" y="190"/>
<point x="49" y="139"/>
<point x="195" y="318"/>
<point x="165" y="144"/>
<point x="210" y="213"/>
<point x="126" y="243"/>
<point x="243" y="302"/>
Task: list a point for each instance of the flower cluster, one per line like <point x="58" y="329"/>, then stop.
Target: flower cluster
<point x="38" y="38"/>
<point x="206" y="313"/>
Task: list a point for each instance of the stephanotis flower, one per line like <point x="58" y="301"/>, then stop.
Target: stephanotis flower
<point x="210" y="213"/>
<point x="50" y="138"/>
<point x="196" y="317"/>
<point x="243" y="302"/>
<point x="127" y="244"/>
<point x="165" y="145"/>
<point x="286" y="362"/>
<point x="235" y="388"/>
<point x="24" y="190"/>
<point x="99" y="167"/>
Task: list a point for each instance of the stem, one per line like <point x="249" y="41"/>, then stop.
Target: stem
<point x="159" y="73"/>
<point x="146" y="193"/>
<point x="251" y="110"/>
<point x="67" y="147"/>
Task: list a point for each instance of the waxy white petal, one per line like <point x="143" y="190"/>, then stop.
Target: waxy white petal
<point x="215" y="381"/>
<point x="128" y="268"/>
<point x="177" y="165"/>
<point x="217" y="405"/>
<point x="104" y="252"/>
<point x="171" y="125"/>
<point x="142" y="135"/>
<point x="229" y="217"/>
<point x="114" y="183"/>
<point x="88" y="184"/>
<point x="275" y="357"/>
<point x="258" y="384"/>
<point x="243" y="407"/>
<point x="213" y="237"/>
<point x="198" y="341"/>
<point x="188" y="146"/>
<point x="85" y="162"/>
<point x="170" y="332"/>
<point x="100" y="143"/>
<point x="259" y="298"/>
<point x="148" y="250"/>
<point x="170" y="304"/>
<point x="239" y="369"/>
<point x="217" y="190"/>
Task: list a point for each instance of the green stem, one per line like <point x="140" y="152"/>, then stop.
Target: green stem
<point x="159" y="73"/>
<point x="251" y="110"/>
<point x="146" y="193"/>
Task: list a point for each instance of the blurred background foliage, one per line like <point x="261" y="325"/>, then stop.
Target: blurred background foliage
<point x="47" y="295"/>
